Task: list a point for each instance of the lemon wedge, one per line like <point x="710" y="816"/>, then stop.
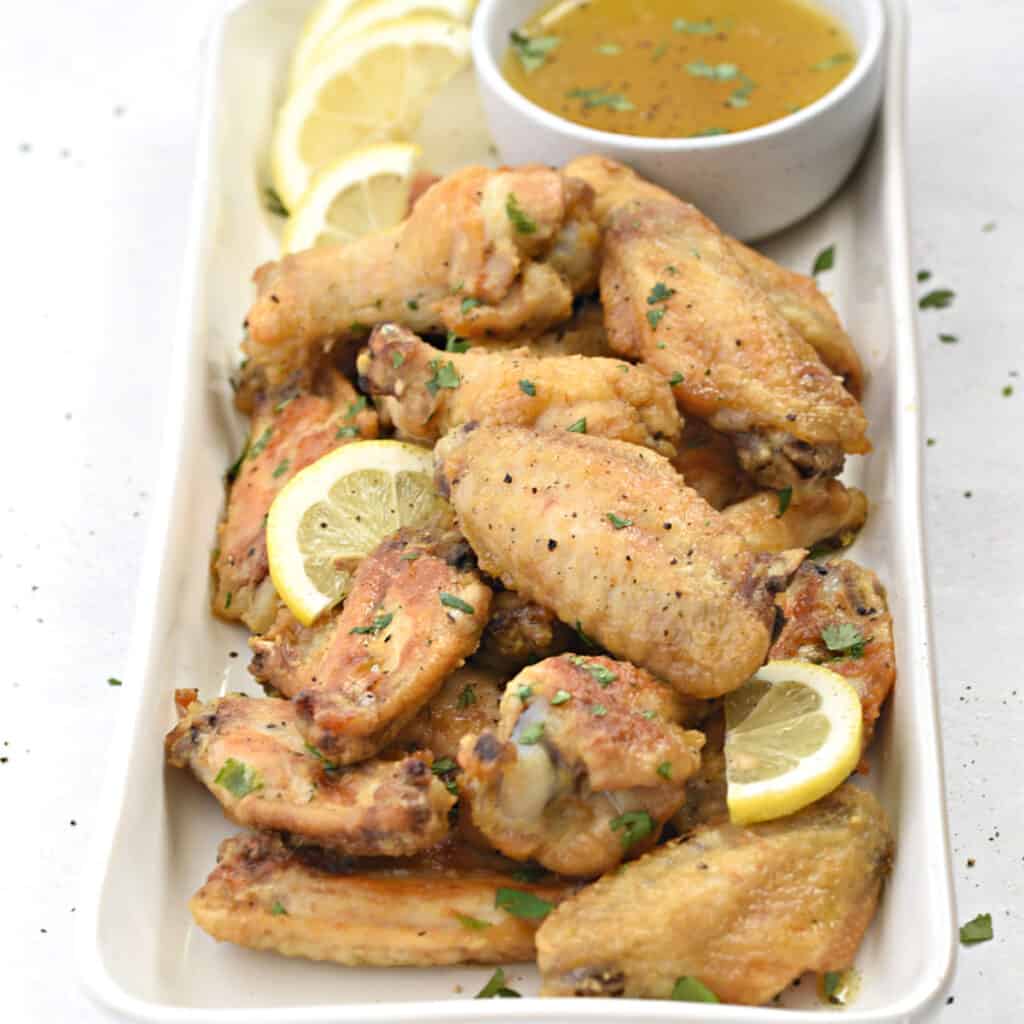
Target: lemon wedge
<point x="337" y="510"/>
<point x="372" y="88"/>
<point x="793" y="734"/>
<point x="364" y="192"/>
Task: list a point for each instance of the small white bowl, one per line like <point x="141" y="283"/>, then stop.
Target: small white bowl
<point x="752" y="182"/>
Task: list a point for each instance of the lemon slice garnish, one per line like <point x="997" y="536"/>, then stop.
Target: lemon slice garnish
<point x="371" y="88"/>
<point x="365" y="192"/>
<point x="337" y="510"/>
<point x="793" y="734"/>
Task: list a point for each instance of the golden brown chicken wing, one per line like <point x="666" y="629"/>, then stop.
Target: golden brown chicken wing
<point x="809" y="513"/>
<point x="415" y="613"/>
<point x="291" y="428"/>
<point x="430" y="393"/>
<point x="586" y="765"/>
<point x="836" y="612"/>
<point x="676" y="297"/>
<point x="707" y="789"/>
<point x="607" y="535"/>
<point x="421" y="911"/>
<point x="582" y="335"/>
<point x="795" y="296"/>
<point x="744" y="911"/>
<point x="482" y="253"/>
<point x="519" y="633"/>
<point x="707" y="462"/>
<point x="250" y="755"/>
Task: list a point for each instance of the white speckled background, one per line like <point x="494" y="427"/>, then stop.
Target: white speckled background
<point x="96" y="149"/>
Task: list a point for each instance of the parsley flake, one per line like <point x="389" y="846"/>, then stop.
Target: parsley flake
<point x="922" y="275"/>
<point x="939" y="298"/>
<point x="238" y="778"/>
<point x="442" y="765"/>
<point x="598" y="710"/>
<point x="695" y="28"/>
<point x="278" y="908"/>
<point x="830" y="982"/>
<point x="524" y="693"/>
<point x="609" y="49"/>
<point x="379" y="623"/>
<point x="844" y="638"/>
<point x="261" y="442"/>
<point x="665" y="769"/>
<point x="825" y="260"/>
<point x="635" y="825"/>
<point x="654" y="317"/>
<point x="496" y="989"/>
<point x="112" y="681"/>
<point x="676" y="378"/>
<point x="397" y="358"/>
<point x="601" y="673"/>
<point x="978" y="929"/>
<point x="561" y="697"/>
<point x="472" y="922"/>
<point x="522" y="904"/>
<point x="528" y="387"/>
<point x="617" y="522"/>
<point x="444" y="375"/>
<point x="1007" y="390"/>
<point x="660" y="293"/>
<point x="832" y="62"/>
<point x="690" y="990"/>
<point x="451" y="601"/>
<point x="598" y="98"/>
<point x="356" y="407"/>
<point x="453" y="343"/>
<point x="785" y="497"/>
<point x="469" y="303"/>
<point x="523" y="223"/>
<point x="346" y="432"/>
<point x="948" y="339"/>
<point x="579" y="427"/>
<point x="281" y="468"/>
<point x="532" y="734"/>
<point x="413" y="304"/>
<point x="466" y="699"/>
<point x="532" y="52"/>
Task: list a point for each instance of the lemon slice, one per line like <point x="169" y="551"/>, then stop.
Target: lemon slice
<point x="337" y="510"/>
<point x="365" y="192"/>
<point x="372" y="88"/>
<point x="793" y="734"/>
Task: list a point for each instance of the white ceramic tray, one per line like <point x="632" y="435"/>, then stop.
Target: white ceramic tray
<point x="156" y="840"/>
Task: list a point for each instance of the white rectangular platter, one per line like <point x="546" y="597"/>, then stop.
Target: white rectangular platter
<point x="140" y="954"/>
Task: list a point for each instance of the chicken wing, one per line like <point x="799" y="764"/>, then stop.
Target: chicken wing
<point x="420" y="912"/>
<point x="582" y="335"/>
<point x="837" y="613"/>
<point x="813" y="512"/>
<point x="415" y="613"/>
<point x="291" y="428"/>
<point x="707" y="789"/>
<point x="430" y="393"/>
<point x="795" y="296"/>
<point x="482" y="253"/>
<point x="608" y="536"/>
<point x="744" y="911"/>
<point x="707" y="461"/>
<point x="676" y="297"/>
<point x="585" y="767"/>
<point x="519" y="633"/>
<point x="250" y="755"/>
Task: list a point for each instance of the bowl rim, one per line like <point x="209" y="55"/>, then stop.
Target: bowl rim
<point x="486" y="65"/>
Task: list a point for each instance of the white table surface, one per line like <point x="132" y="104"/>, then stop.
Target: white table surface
<point x="96" y="149"/>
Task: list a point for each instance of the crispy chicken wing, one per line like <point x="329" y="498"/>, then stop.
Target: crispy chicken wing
<point x="744" y="911"/>
<point x="706" y="789"/>
<point x="841" y="602"/>
<point x="707" y="461"/>
<point x="483" y="253"/>
<point x="292" y="427"/>
<point x="586" y="765"/>
<point x="582" y="335"/>
<point x="816" y="510"/>
<point x="795" y="296"/>
<point x="519" y="633"/>
<point x="415" y="613"/>
<point x="607" y="535"/>
<point x="421" y="911"/>
<point x="430" y="393"/>
<point x="676" y="297"/>
<point x="250" y="755"/>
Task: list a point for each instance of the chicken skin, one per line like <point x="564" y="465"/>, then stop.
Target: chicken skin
<point x="586" y="765"/>
<point x="292" y="427"/>
<point x="608" y="536"/>
<point x="836" y="613"/>
<point x="582" y="335"/>
<point x="431" y="393"/>
<point x="795" y="296"/>
<point x="744" y="911"/>
<point x="520" y="633"/>
<point x="677" y="298"/>
<point x="415" y="613"/>
<point x="250" y="755"/>
<point x="482" y="253"/>
<point x="815" y="511"/>
<point x="437" y="908"/>
<point x="706" y="460"/>
<point x="707" y="789"/>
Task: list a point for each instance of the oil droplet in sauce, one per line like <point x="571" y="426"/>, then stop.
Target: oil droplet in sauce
<point x="677" y="68"/>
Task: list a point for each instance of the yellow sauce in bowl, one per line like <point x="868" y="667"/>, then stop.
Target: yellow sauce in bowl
<point x="677" y="68"/>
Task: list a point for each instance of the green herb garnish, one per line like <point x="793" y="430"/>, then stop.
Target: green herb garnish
<point x="524" y="693"/>
<point x="472" y="922"/>
<point x="278" y="908"/>
<point x="524" y="224"/>
<point x="598" y="98"/>
<point x="676" y="378"/>
<point x="579" y="427"/>
<point x="617" y="522"/>
<point x="466" y="698"/>
<point x="832" y="62"/>
<point x="635" y="825"/>
<point x="273" y="203"/>
<point x="379" y="623"/>
<point x="598" y="710"/>
<point x="844" y="638"/>
<point x="785" y="496"/>
<point x="528" y="387"/>
<point x="468" y="304"/>
<point x="922" y="275"/>
<point x="665" y="769"/>
<point x="532" y="734"/>
<point x="496" y="989"/>
<point x="561" y="697"/>
<point x="397" y="358"/>
<point x="532" y="52"/>
<point x="609" y="49"/>
<point x="690" y="990"/>
<point x="453" y="343"/>
<point x="444" y="375"/>
<point x="719" y="72"/>
<point x="825" y="260"/>
<point x="442" y="765"/>
<point x="948" y="339"/>
<point x="654" y="317"/>
<point x="261" y="442"/>
<point x="522" y="904"/>
<point x="705" y="132"/>
<point x="281" y="468"/>
<point x="660" y="293"/>
<point x="346" y="432"/>
<point x="601" y="673"/>
<point x="113" y="681"/>
<point x="238" y="778"/>
<point x="451" y="601"/>
<point x="940" y="298"/>
<point x="978" y="929"/>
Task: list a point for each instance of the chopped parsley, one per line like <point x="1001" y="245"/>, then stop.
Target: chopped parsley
<point x="278" y="908"/>
<point x="281" y="468"/>
<point x="601" y="673"/>
<point x="561" y="697"/>
<point x="598" y="98"/>
<point x="695" y="28"/>
<point x="654" y="317"/>
<point x="528" y="387"/>
<point x="451" y="601"/>
<point x="113" y="681"/>
<point x="660" y="293"/>
<point x="741" y="97"/>
<point x="261" y="442"/>
<point x="719" y="72"/>
<point x="227" y="600"/>
<point x="785" y="497"/>
<point x="231" y="473"/>
<point x="705" y="132"/>
<point x="344" y="431"/>
<point x="1007" y="390"/>
<point x="356" y="407"/>
<point x="532" y="734"/>
<point x="844" y="638"/>
<point x="329" y="765"/>
<point x="938" y="298"/>
<point x="379" y="623"/>
<point x="583" y="636"/>
<point x="532" y="52"/>
<point x="617" y="522"/>
<point x="469" y="303"/>
<point x="496" y="989"/>
<point x="635" y="825"/>
<point x="830" y="982"/>
<point x="442" y="765"/>
<point x="238" y="778"/>
<point x="676" y="378"/>
<point x="272" y="201"/>
<point x="948" y="339"/>
<point x="413" y="304"/>
<point x="598" y="710"/>
<point x="521" y="221"/>
<point x="444" y="375"/>
<point x="990" y="226"/>
<point x="978" y="929"/>
<point x="832" y="62"/>
<point x="690" y="990"/>
<point x="466" y="699"/>
<point x="665" y="769"/>
<point x="397" y="358"/>
<point x="409" y="556"/>
<point x="453" y="343"/>
<point x="579" y="427"/>
<point x="524" y="693"/>
<point x="649" y="714"/>
<point x="522" y="904"/>
<point x="472" y="922"/>
<point x="825" y="260"/>
<point x="609" y="49"/>
<point x="922" y="275"/>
